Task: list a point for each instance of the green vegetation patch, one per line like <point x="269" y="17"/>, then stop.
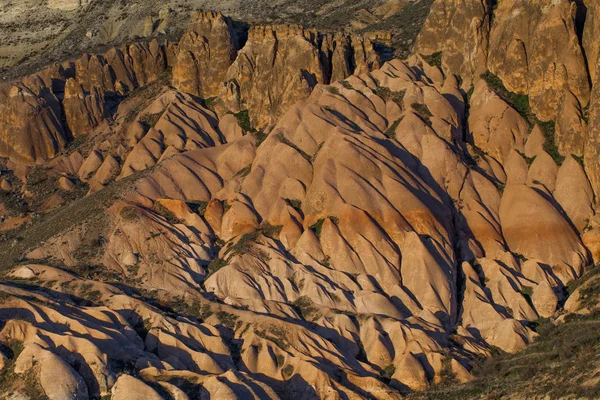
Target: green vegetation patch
<point x="391" y="131"/>
<point x="390" y="95"/>
<point x="521" y="104"/>
<point x="227" y="320"/>
<point x="317" y="227"/>
<point x="198" y="207"/>
<point x="243" y="118"/>
<point x="288" y="142"/>
<point x="422" y="111"/>
<point x="435" y="59"/>
<point x="305" y="307"/>
<point x="150" y="120"/>
<point x="166" y="213"/>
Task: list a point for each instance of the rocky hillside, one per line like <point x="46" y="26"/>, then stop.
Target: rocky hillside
<point x="37" y="32"/>
<point x="252" y="210"/>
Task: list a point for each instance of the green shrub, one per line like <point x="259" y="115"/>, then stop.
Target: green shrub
<point x="317" y="227"/>
<point x="388" y="372"/>
<point x="305" y="307"/>
<point x="517" y="101"/>
<point x="549" y="131"/>
<point x="295" y="204"/>
<point x="390" y="95"/>
<point x="391" y="131"/>
<point x="270" y="231"/>
<point x="131" y="213"/>
<point x="288" y="142"/>
<point x="244" y="172"/>
<point x="435" y="59"/>
<point x="260" y="137"/>
<point x="166" y="214"/>
<point x="287" y="371"/>
<point x="150" y="120"/>
<point x="243" y="118"/>
<point x="227" y="320"/>
<point x="198" y="207"/>
<point x="423" y="111"/>
<point x="216" y="265"/>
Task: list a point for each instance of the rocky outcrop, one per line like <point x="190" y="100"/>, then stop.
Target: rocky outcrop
<point x="463" y="42"/>
<point x="205" y="53"/>
<point x="592" y="144"/>
<point x="281" y="65"/>
<point x="535" y="50"/>
<point x="83" y="111"/>
<point x="371" y="240"/>
<point x="590" y="34"/>
<point x="30" y="127"/>
<point x="496" y="127"/>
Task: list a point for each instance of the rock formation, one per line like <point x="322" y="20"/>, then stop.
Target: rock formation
<point x="205" y="52"/>
<point x="288" y="217"/>
<point x="462" y="44"/>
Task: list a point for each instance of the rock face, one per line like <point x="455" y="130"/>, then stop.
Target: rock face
<point x="534" y="49"/>
<point x="30" y="127"/>
<point x="281" y="65"/>
<point x="83" y="112"/>
<point x="205" y="52"/>
<point x="591" y="30"/>
<point x="496" y="127"/>
<point x="463" y="44"/>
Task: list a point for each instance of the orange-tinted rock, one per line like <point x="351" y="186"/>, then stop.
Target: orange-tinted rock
<point x="496" y="127"/>
<point x="533" y="228"/>
<point x="571" y="127"/>
<point x="535" y="50"/>
<point x="459" y="30"/>
<point x="206" y="51"/>
<point x="30" y="128"/>
<point x="83" y="111"/>
<point x="590" y="36"/>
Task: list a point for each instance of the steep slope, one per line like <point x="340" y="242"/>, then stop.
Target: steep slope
<point x="286" y="216"/>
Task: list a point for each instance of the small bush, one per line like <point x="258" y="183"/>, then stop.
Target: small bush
<point x="288" y="142"/>
<point x="388" y="372"/>
<point x="287" y="371"/>
<point x="243" y="118"/>
<point x="295" y="204"/>
<point x="317" y="227"/>
<point x="166" y="214"/>
<point x="216" y="265"/>
<point x="391" y="131"/>
<point x="131" y="214"/>
<point x="422" y="111"/>
<point x="277" y="335"/>
<point x="198" y="207"/>
<point x="435" y="59"/>
<point x="528" y="160"/>
<point x="270" y="231"/>
<point x="150" y="120"/>
<point x="390" y="95"/>
<point x="227" y="320"/>
<point x="579" y="159"/>
<point x="549" y="131"/>
<point x="517" y="101"/>
<point x="305" y="307"/>
<point x="260" y="136"/>
<point x="244" y="172"/>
